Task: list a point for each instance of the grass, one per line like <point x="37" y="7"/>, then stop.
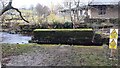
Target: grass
<point x="15" y="49"/>
<point x="92" y="56"/>
<point x="18" y="49"/>
<point x="66" y="55"/>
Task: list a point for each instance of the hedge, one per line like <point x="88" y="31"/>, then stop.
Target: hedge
<point x="66" y="36"/>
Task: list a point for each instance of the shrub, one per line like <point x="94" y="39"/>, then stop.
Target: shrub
<point x="44" y="25"/>
<point x="68" y="25"/>
<point x="57" y="25"/>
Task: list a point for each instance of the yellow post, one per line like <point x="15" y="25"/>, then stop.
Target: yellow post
<point x="113" y="42"/>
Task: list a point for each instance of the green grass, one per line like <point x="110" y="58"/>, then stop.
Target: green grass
<point x="18" y="49"/>
<point x="15" y="49"/>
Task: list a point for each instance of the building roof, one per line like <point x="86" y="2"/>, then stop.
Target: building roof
<point x="104" y="2"/>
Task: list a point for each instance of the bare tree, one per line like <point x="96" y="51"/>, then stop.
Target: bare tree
<point x="74" y="9"/>
<point x="9" y="7"/>
<point x="73" y="13"/>
<point x="46" y="11"/>
<point x="57" y="8"/>
<point x="42" y="11"/>
<point x="38" y="9"/>
<point x="68" y="4"/>
<point x="3" y="3"/>
<point x="32" y="14"/>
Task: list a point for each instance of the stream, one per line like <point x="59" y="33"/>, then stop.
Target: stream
<point x="13" y="38"/>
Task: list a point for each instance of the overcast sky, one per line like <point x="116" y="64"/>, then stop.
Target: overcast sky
<point x="28" y="3"/>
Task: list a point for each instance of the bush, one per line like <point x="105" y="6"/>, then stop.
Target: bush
<point x="65" y="36"/>
<point x="68" y="25"/>
<point x="57" y="25"/>
<point x="44" y="25"/>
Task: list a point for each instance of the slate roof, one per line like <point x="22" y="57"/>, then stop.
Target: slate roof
<point x="104" y="2"/>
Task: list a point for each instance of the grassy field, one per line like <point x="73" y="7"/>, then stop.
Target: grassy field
<point x="64" y="55"/>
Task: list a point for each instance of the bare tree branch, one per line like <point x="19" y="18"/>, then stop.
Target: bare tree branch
<point x="20" y="14"/>
<point x="9" y="7"/>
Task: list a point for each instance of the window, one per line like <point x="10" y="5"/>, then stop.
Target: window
<point x="102" y="10"/>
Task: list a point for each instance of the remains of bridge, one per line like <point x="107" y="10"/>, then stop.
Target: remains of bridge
<point x="67" y="36"/>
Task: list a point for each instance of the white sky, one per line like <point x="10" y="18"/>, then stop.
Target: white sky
<point x="28" y="3"/>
